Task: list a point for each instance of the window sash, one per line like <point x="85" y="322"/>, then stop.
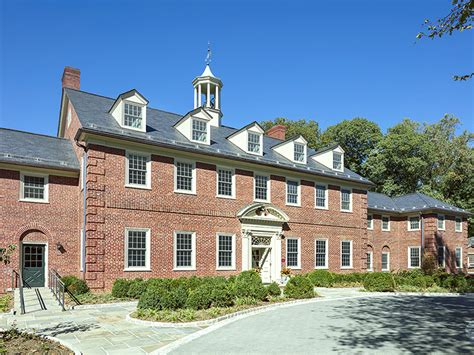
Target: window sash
<point x="137" y="169"/>
<point x="321" y="196"/>
<point x="369" y="261"/>
<point x="321" y="253"/>
<point x="292" y="252"/>
<point x="136" y="248"/>
<point x="458" y="224"/>
<point x="441" y="257"/>
<point x="292" y="195"/>
<point x="199" y="131"/>
<point x="132" y="116"/>
<point x="385" y="223"/>
<point x="261" y="187"/>
<point x="385" y="261"/>
<point x="224" y="182"/>
<point x="370" y="222"/>
<point x="299" y="152"/>
<point x="346" y="253"/>
<point x="414" y="223"/>
<point x="34" y="187"/>
<point x="184" y="176"/>
<point x="225" y="251"/>
<point x="441" y="221"/>
<point x="458" y="257"/>
<point x="253" y="142"/>
<point x="184" y="250"/>
<point x="415" y="257"/>
<point x="337" y="161"/>
<point x="470" y="259"/>
<point x="345" y="200"/>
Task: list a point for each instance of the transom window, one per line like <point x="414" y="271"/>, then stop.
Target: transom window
<point x="321" y="201"/>
<point x="254" y="145"/>
<point x="370" y="221"/>
<point x="346" y="200"/>
<point x="184" y="176"/>
<point x="261" y="187"/>
<point x="441" y="258"/>
<point x="458" y="224"/>
<point x="34" y="187"/>
<point x="292" y="252"/>
<point x="346" y="254"/>
<point x="337" y="161"/>
<point x="385" y="223"/>
<point x="414" y="223"/>
<point x="137" y="169"/>
<point x="225" y="251"/>
<point x="199" y="131"/>
<point x="414" y="257"/>
<point x="184" y="250"/>
<point x="299" y="155"/>
<point x="385" y="261"/>
<point x="224" y="182"/>
<point x="321" y="253"/>
<point x="441" y="222"/>
<point x="132" y="116"/>
<point x="292" y="195"/>
<point x="458" y="255"/>
<point x="137" y="252"/>
<point x="369" y="261"/>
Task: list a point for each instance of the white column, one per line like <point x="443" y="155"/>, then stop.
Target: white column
<point x="246" y="257"/>
<point x="199" y="96"/>
<point x="276" y="267"/>
<point x="195" y="97"/>
<point x="208" y="98"/>
<point x="217" y="98"/>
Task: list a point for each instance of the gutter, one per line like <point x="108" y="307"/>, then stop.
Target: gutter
<point x="84" y="202"/>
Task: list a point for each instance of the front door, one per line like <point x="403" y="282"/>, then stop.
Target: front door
<point x="261" y="259"/>
<point x="33" y="265"/>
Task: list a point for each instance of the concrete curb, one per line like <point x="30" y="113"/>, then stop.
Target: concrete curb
<point x="104" y="305"/>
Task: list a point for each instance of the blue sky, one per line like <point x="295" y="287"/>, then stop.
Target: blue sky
<point x="321" y="60"/>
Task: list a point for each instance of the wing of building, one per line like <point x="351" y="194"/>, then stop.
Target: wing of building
<point x="126" y="190"/>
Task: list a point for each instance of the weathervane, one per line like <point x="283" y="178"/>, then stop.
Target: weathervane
<point x="209" y="54"/>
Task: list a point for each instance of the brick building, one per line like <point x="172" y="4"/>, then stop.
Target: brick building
<point x="126" y="190"/>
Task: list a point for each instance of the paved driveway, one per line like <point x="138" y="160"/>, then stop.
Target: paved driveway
<point x="390" y="324"/>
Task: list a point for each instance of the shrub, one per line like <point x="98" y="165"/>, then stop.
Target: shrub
<point x="151" y="299"/>
<point x="321" y="278"/>
<point x="379" y="282"/>
<point x="299" y="287"/>
<point x="200" y="298"/>
<point x="273" y="289"/>
<point x="455" y="283"/>
<point x="137" y="288"/>
<point x="348" y="280"/>
<point x="429" y="264"/>
<point x="222" y="296"/>
<point x="439" y="276"/>
<point x="75" y="285"/>
<point x="158" y="298"/>
<point x="249" y="284"/>
<point x="244" y="301"/>
<point x="121" y="287"/>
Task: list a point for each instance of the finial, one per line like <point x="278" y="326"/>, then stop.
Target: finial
<point x="209" y="53"/>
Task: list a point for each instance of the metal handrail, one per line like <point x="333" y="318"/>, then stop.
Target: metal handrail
<point x="57" y="287"/>
<point x="15" y="277"/>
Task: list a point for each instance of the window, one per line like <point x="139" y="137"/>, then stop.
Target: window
<point x="225" y="182"/>
<point x="346" y="254"/>
<point x="369" y="261"/>
<point x="458" y="254"/>
<point x="254" y="145"/>
<point x="292" y="192"/>
<point x="458" y="224"/>
<point x="293" y="253"/>
<point x="199" y="133"/>
<point x="385" y="261"/>
<point x="225" y="252"/>
<point x="385" y="223"/>
<point x="441" y="222"/>
<point x="346" y="200"/>
<point x="261" y="187"/>
<point x="185" y="178"/>
<point x="184" y="250"/>
<point x="414" y="223"/>
<point x="414" y="254"/>
<point x="470" y="261"/>
<point x="337" y="161"/>
<point x="68" y="117"/>
<point x="34" y="188"/>
<point x="441" y="258"/>
<point x="321" y="254"/>
<point x="321" y="196"/>
<point x="299" y="155"/>
<point x="370" y="221"/>
<point x="132" y="116"/>
<point x="138" y="170"/>
<point x="137" y="249"/>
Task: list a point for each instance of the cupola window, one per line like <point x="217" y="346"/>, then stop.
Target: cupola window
<point x="254" y="145"/>
<point x="199" y="131"/>
<point x="132" y="116"/>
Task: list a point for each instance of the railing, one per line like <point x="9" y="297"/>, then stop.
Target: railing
<point x="17" y="282"/>
<point x="57" y="287"/>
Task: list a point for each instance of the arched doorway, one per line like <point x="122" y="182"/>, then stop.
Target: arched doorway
<point x="34" y="257"/>
<point x="262" y="228"/>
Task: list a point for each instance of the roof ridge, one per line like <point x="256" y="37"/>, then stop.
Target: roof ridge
<point x="33" y="133"/>
<point x="422" y="196"/>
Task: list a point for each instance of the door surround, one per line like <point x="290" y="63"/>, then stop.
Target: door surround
<point x="46" y="253"/>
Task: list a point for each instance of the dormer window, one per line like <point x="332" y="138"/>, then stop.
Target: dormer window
<point x="337" y="161"/>
<point x="199" y="133"/>
<point x="254" y="144"/>
<point x="129" y="110"/>
<point x="132" y="116"/>
<point x="299" y="152"/>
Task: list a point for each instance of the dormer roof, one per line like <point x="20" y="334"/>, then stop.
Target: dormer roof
<point x="327" y="148"/>
<point x="127" y="95"/>
<point x="294" y="138"/>
<point x="246" y="128"/>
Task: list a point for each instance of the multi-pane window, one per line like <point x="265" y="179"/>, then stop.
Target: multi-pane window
<point x="34" y="187"/>
<point x="321" y="201"/>
<point x="136" y="251"/>
<point x="199" y="131"/>
<point x="225" y="251"/>
<point x="261" y="187"/>
<point x="458" y="224"/>
<point x="385" y="261"/>
<point x="414" y="257"/>
<point x="137" y="169"/>
<point x="321" y="253"/>
<point x="369" y="261"/>
<point x="345" y="199"/>
<point x="292" y="196"/>
<point x="254" y="142"/>
<point x="184" y="176"/>
<point x="224" y="182"/>
<point x="132" y="116"/>
<point x="184" y="250"/>
<point x="414" y="223"/>
<point x="346" y="254"/>
<point x="458" y="257"/>
<point x="441" y="221"/>
<point x="441" y="258"/>
<point x="470" y="260"/>
<point x="299" y="152"/>
<point x="370" y="221"/>
<point x="385" y="223"/>
<point x="337" y="161"/>
<point x="292" y="249"/>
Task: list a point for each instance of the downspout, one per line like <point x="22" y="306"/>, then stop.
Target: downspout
<point x="84" y="209"/>
<point x="422" y="221"/>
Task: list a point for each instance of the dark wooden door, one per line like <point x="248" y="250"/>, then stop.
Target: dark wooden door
<point x="33" y="265"/>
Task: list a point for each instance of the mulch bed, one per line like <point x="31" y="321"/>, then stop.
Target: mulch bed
<point x="15" y="342"/>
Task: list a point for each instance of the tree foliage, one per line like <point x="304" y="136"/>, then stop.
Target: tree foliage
<point x="308" y="129"/>
<point x="5" y="254"/>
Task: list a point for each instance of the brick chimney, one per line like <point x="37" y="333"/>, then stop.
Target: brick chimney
<point x="71" y="78"/>
<point x="278" y="131"/>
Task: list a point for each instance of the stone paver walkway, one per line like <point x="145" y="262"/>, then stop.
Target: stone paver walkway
<point x="98" y="330"/>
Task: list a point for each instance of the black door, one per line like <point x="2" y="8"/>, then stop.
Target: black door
<point x="33" y="265"/>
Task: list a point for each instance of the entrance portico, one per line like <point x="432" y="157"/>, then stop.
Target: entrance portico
<point x="262" y="231"/>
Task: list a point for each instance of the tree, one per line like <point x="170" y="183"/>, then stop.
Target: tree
<point x="5" y="254"/>
<point x="308" y="129"/>
<point x="358" y="137"/>
<point x="459" y="19"/>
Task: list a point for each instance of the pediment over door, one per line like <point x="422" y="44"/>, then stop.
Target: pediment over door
<point x="262" y="212"/>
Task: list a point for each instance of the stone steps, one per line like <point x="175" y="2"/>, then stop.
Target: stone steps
<point x="32" y="303"/>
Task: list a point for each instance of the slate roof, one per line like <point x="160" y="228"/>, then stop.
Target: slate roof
<point x="414" y="202"/>
<point x="93" y="113"/>
<point x="25" y="148"/>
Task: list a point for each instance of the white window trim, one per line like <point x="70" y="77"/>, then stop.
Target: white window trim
<point x="458" y="230"/>
<point x="350" y="199"/>
<point x="469" y="265"/>
<point x="342" y="161"/>
<point x="268" y="187"/>
<point x="147" y="253"/>
<point x="326" y="198"/>
<point x="460" y="258"/>
<point x="193" y="184"/>
<point x="326" y="260"/>
<point x="193" y="252"/>
<point x="232" y="170"/>
<point x="371" y="268"/>
<point x="208" y="133"/>
<point x="233" y="266"/>
<point x="388" y="261"/>
<point x="409" y="224"/>
<point x="298" y="181"/>
<point x="298" y="267"/>
<point x="143" y="108"/>
<point x="147" y="186"/>
<point x="45" y="198"/>
<point x="444" y="222"/>
<point x="371" y="221"/>
<point x="381" y="224"/>
<point x="304" y="153"/>
<point x="351" y="255"/>
<point x="409" y="257"/>
<point x="247" y="143"/>
<point x="444" y="255"/>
